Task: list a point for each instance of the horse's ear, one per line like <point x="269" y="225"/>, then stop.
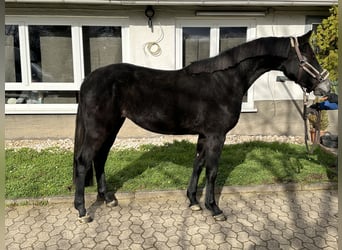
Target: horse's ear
<point x="305" y="38"/>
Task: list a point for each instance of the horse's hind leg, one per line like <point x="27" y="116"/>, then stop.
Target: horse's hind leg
<point x="94" y="148"/>
<point x="197" y="169"/>
<point x="99" y="164"/>
<point x="83" y="166"/>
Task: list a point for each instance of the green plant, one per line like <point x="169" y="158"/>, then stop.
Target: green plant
<point x="325" y="39"/>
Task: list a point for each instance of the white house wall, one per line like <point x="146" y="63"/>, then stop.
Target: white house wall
<point x="141" y="35"/>
<point x="266" y="87"/>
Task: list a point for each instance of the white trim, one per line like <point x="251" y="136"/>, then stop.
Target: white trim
<point x="81" y="54"/>
<point x="214" y="38"/>
<point x="41" y="108"/>
<point x="77" y="55"/>
<point x="67" y="20"/>
<point x="24" y="54"/>
<point x="126" y="57"/>
<point x="232" y="13"/>
<point x="178" y="47"/>
<point x="42" y="86"/>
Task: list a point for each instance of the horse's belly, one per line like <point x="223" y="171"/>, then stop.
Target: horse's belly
<point x="162" y="125"/>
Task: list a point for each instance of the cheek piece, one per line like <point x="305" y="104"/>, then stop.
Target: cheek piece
<point x="321" y="77"/>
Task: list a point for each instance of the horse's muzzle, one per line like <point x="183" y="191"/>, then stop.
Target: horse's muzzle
<point x="323" y="88"/>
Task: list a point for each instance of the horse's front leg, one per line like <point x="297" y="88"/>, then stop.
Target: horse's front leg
<point x="197" y="169"/>
<point x="214" y="147"/>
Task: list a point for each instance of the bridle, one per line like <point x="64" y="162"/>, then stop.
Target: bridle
<point x="320" y="77"/>
<point x="305" y="65"/>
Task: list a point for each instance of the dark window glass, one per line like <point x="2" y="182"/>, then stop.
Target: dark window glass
<point x="196" y="44"/>
<point x="102" y="45"/>
<point x="12" y="54"/>
<point x="231" y="37"/>
<point x="51" y="53"/>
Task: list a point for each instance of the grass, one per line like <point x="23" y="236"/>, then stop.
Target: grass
<point x="49" y="172"/>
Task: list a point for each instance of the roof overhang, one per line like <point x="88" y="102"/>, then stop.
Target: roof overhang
<point x="191" y="2"/>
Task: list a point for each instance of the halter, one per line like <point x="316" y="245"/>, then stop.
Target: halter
<point x="303" y="63"/>
<point x="321" y="77"/>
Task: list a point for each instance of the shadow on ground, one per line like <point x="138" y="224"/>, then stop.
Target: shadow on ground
<point x="163" y="167"/>
<point x="239" y="165"/>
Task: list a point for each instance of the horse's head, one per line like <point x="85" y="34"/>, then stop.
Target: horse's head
<point x="303" y="67"/>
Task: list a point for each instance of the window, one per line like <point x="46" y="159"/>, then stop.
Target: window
<point x="46" y="60"/>
<point x="196" y="44"/>
<point x="12" y="54"/>
<point x="50" y="50"/>
<point x="101" y="46"/>
<point x="50" y="53"/>
<point x="231" y="37"/>
<point x="196" y="41"/>
<point x="311" y="23"/>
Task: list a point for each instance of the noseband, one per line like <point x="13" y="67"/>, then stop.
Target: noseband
<point x="305" y="65"/>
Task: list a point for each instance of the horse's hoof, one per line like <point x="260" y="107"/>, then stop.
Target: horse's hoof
<point x="85" y="219"/>
<point x="220" y="217"/>
<point x="112" y="203"/>
<point x="195" y="207"/>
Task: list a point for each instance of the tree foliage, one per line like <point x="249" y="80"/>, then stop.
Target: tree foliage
<point x="325" y="40"/>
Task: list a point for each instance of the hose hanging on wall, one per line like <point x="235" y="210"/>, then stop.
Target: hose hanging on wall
<point x="154" y="48"/>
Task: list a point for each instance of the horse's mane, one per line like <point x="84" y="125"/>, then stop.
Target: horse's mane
<point x="260" y="47"/>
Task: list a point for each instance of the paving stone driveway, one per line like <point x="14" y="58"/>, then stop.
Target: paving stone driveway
<point x="272" y="220"/>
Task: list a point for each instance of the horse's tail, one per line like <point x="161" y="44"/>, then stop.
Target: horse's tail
<point x="79" y="139"/>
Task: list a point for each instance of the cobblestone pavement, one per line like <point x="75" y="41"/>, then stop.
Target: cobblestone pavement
<point x="269" y="220"/>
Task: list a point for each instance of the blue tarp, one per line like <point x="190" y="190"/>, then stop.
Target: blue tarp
<point x="326" y="105"/>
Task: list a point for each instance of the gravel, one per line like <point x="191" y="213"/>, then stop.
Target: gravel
<point x="124" y="143"/>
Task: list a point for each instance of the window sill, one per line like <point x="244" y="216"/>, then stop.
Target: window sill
<point x="40" y="109"/>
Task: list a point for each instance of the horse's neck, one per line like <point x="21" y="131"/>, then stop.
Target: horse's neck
<point x="254" y="58"/>
<point x="252" y="68"/>
<point x="262" y="47"/>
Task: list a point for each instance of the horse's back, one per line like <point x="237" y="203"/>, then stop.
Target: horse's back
<point x="168" y="102"/>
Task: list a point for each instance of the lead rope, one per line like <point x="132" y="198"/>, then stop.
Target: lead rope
<point x="317" y="125"/>
<point x="305" y="118"/>
<point x="317" y="131"/>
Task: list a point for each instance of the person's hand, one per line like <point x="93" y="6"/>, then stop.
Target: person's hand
<point x="324" y="98"/>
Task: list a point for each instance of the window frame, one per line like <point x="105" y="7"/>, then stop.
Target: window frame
<point x="26" y="84"/>
<point x="215" y="25"/>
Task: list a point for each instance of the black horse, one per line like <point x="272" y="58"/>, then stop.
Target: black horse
<point x="203" y="98"/>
